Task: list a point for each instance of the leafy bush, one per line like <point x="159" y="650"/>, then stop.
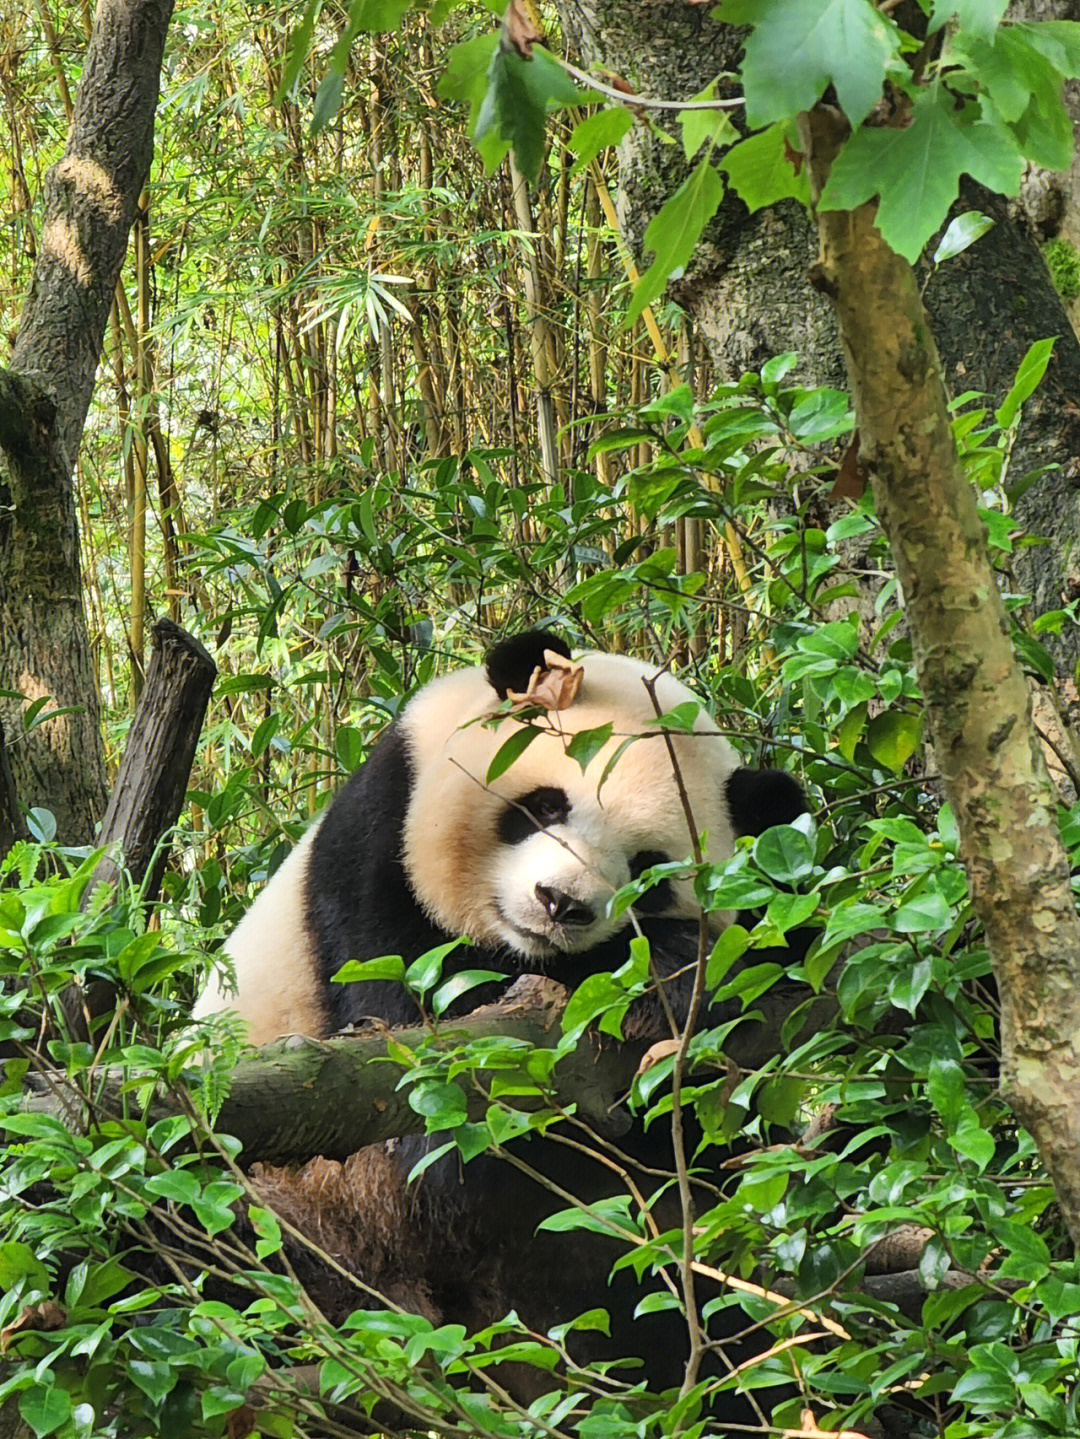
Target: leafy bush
<point x="134" y="1303"/>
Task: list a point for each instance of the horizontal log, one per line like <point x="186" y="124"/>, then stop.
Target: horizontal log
<point x="299" y="1097"/>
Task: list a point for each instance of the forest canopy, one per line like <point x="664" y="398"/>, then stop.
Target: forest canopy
<point x="425" y="324"/>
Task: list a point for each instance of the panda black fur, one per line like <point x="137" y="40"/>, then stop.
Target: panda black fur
<point x="417" y="849"/>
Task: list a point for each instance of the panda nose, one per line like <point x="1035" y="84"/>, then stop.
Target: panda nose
<point x="563" y="908"/>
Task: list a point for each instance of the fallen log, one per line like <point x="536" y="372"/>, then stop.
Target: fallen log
<point x="299" y="1097"/>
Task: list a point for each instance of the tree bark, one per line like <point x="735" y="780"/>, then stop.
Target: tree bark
<point x="299" y="1097"/>
<point x="977" y="700"/>
<point x="11" y="827"/>
<point x="150" y="787"/>
<point x="90" y="202"/>
<point x="748" y="294"/>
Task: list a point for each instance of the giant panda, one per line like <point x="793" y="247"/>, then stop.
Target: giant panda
<point x="419" y="847"/>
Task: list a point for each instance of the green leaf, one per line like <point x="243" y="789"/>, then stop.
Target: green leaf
<point x="1044" y="131"/>
<point x="45" y="1407"/>
<point x="962" y="232"/>
<point x="387" y="966"/>
<point x="674" y="231"/>
<point x="907" y="987"/>
<point x="459" y="984"/>
<point x="701" y="126"/>
<point x="596" y="994"/>
<point x="466" y="79"/>
<point x="298" y="49"/>
<point x="787" y="911"/>
<point x="980" y="17"/>
<point x="682" y="717"/>
<point x="179" y="1185"/>
<point x="927" y="911"/>
<point x="797" y="50"/>
<point x="267" y="1230"/>
<point x="730" y="946"/>
<point x="155" y="1377"/>
<point x="1057" y="40"/>
<point x="327" y="99"/>
<point x="427" y="968"/>
<point x="616" y="1211"/>
<point x="587" y="744"/>
<point x="373" y="16"/>
<point x="977" y="1144"/>
<point x="442" y="1104"/>
<point x="1009" y="68"/>
<point x="916" y="170"/>
<point x="784" y="853"/>
<point x="597" y="132"/>
<point x="214" y="1205"/>
<point x="520" y="95"/>
<point x="1031" y="370"/>
<point x="893" y="737"/>
<point x="18" y="1261"/>
<point x="512" y="749"/>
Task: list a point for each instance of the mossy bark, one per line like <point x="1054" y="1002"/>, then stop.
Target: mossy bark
<point x="91" y="197"/>
<point x="977" y="699"/>
<point x="747" y="293"/>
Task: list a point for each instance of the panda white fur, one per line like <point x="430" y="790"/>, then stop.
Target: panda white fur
<point x="418" y="848"/>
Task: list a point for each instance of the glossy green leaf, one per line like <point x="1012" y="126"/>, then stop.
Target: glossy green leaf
<point x="784" y="853"/>
<point x="597" y="132"/>
<point x="673" y="233"/>
<point x="587" y="744"/>
<point x="442" y="1104"/>
<point x="510" y="750"/>
<point x="893" y="737"/>
<point x="1031" y="370"/>
<point x="797" y="50"/>
<point x="915" y="170"/>
<point x="387" y="966"/>
<point x="45" y="1407"/>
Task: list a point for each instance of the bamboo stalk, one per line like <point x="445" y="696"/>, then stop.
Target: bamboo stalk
<point x="538" y="338"/>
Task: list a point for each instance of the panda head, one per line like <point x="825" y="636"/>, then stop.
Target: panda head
<point x="528" y="862"/>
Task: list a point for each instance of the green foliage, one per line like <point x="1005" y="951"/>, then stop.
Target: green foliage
<point x="924" y="161"/>
<point x="796" y="51"/>
<point x="674" y="231"/>
<point x="984" y="104"/>
<point x="96" y="1222"/>
<point x="1063" y="263"/>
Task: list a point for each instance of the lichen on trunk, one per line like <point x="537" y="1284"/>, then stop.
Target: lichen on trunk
<point x="977" y="699"/>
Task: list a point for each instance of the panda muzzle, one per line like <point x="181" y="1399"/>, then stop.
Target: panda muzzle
<point x="564" y="909"/>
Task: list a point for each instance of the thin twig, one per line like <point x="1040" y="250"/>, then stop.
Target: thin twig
<point x="644" y="102"/>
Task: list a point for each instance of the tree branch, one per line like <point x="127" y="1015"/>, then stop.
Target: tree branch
<point x="977" y="699"/>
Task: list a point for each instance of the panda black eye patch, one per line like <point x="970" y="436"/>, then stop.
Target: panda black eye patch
<point x="659" y="896"/>
<point x="529" y="812"/>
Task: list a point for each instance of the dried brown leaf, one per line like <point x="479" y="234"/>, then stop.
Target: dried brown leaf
<point x="553" y="687"/>
<point x="656" y="1052"/>
<point x="852" y="476"/>
<point x="35" y="1318"/>
<point x="519" y="31"/>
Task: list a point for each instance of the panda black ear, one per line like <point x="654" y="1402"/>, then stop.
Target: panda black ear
<point x="510" y="663"/>
<point x="759" y="798"/>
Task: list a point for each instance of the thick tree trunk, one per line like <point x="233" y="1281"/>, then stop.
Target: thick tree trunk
<point x="749" y="297"/>
<point x="977" y="699"/>
<point x="91" y="198"/>
<point x="10" y="821"/>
